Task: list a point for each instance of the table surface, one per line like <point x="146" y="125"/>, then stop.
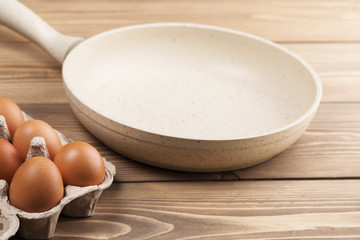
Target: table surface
<point x="309" y="191"/>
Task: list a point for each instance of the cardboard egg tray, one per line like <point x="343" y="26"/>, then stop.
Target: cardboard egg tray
<point x="9" y="223"/>
<point x="77" y="202"/>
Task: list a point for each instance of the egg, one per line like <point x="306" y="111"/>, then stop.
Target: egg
<point x="10" y="160"/>
<point x="36" y="128"/>
<point x="12" y="113"/>
<point x="37" y="186"/>
<point x="80" y="164"/>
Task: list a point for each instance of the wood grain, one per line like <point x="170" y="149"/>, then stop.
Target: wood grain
<point x="278" y="20"/>
<point x="222" y="210"/>
<point x="321" y="209"/>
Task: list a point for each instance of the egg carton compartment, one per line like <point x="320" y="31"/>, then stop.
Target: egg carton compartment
<point x="77" y="202"/>
<point x="9" y="223"/>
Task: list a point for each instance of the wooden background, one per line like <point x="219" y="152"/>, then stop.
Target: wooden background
<point x="310" y="191"/>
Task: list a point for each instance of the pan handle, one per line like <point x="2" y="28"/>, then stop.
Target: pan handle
<point x="18" y="17"/>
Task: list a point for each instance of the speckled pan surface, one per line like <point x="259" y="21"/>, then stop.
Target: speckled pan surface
<point x="179" y="95"/>
<point x="191" y="97"/>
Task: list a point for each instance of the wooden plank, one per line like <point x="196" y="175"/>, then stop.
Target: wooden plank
<point x="328" y="149"/>
<point x="25" y="54"/>
<point x="32" y="84"/>
<point x="278" y="20"/>
<point x="38" y="77"/>
<point x="222" y="210"/>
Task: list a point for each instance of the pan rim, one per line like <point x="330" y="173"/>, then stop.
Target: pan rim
<point x="314" y="76"/>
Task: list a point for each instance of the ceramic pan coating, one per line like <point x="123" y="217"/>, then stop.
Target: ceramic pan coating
<point x="178" y="95"/>
<point x="189" y="90"/>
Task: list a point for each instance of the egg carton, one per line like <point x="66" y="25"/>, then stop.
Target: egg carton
<point x="77" y="202"/>
<point x="9" y="223"/>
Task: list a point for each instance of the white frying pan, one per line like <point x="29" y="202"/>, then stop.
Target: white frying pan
<point x="181" y="96"/>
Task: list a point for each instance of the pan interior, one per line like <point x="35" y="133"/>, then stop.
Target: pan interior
<point x="190" y="82"/>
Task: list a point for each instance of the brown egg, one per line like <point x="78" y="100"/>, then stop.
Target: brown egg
<point x="80" y="164"/>
<point x="37" y="186"/>
<point x="12" y="113"/>
<point x="9" y="160"/>
<point x="36" y="128"/>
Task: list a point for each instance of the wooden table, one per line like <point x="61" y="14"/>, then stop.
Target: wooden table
<point x="310" y="191"/>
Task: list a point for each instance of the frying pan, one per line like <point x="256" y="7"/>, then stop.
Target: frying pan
<point x="178" y="95"/>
